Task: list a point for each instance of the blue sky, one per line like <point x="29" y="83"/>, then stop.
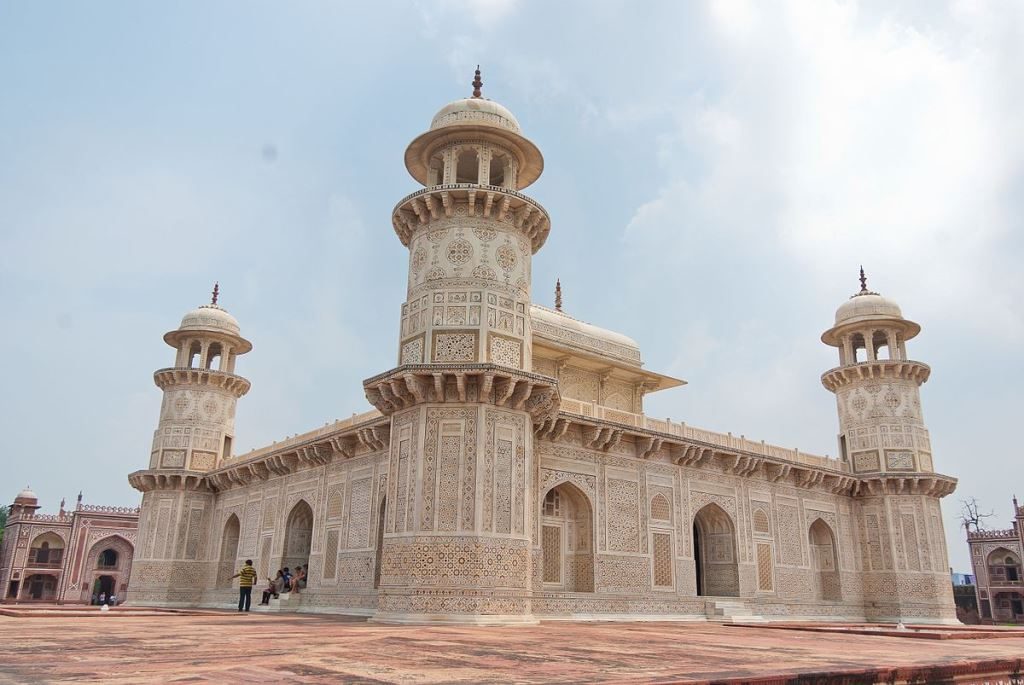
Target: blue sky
<point x="715" y="174"/>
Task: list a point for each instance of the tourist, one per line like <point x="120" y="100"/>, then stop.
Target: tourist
<point x="298" y="580"/>
<point x="246" y="577"/>
<point x="287" y="579"/>
<point x="274" y="586"/>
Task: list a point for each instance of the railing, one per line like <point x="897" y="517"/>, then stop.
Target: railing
<point x="1005" y="583"/>
<point x="49" y="518"/>
<point x="52" y="563"/>
<point x="1009" y="533"/>
<point x="327" y="429"/>
<point x="682" y="430"/>
<point x="101" y="509"/>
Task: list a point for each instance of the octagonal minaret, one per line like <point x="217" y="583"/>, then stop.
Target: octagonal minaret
<point x="193" y="437"/>
<point x="877" y="386"/>
<point x="883" y="438"/>
<point x="463" y="400"/>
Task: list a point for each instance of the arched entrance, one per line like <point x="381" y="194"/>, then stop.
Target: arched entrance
<point x="380" y="542"/>
<point x="824" y="562"/>
<point x="567" y="540"/>
<point x="109" y="562"/>
<point x="714" y="551"/>
<point x="298" y="536"/>
<point x="40" y="587"/>
<point x="228" y="551"/>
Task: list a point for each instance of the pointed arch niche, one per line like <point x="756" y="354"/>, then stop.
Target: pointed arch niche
<point x="714" y="548"/>
<point x="567" y="540"/>
<point x="824" y="562"/>
<point x="298" y="536"/>
<point x="228" y="551"/>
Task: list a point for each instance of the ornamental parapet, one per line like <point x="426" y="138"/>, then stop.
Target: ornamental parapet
<point x="736" y="457"/>
<point x="148" y="480"/>
<point x="502" y="386"/>
<point x="1007" y="534"/>
<point x="41" y="518"/>
<point x="367" y="432"/>
<point x="427" y="204"/>
<point x="102" y="509"/>
<point x="879" y="369"/>
<point x="168" y="378"/>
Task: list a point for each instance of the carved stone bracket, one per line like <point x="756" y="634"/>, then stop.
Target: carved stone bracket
<point x="148" y="480"/>
<point x="168" y="378"/>
<point x="931" y="486"/>
<point x="836" y="378"/>
<point x="501" y="386"/>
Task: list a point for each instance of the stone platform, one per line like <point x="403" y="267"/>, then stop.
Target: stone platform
<point x="227" y="647"/>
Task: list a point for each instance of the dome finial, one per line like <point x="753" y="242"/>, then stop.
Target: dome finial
<point x="558" y="295"/>
<point x="863" y="280"/>
<point x="216" y="292"/>
<point x="477" y="83"/>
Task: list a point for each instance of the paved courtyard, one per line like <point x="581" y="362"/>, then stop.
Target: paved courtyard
<point x="288" y="648"/>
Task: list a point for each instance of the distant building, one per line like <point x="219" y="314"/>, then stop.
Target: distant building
<point x="996" y="556"/>
<point x="71" y="556"/>
<point x="962" y="578"/>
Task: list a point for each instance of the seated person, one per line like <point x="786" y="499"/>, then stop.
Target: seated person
<point x="298" y="580"/>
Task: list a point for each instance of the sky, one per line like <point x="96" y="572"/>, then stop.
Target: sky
<point x="716" y="172"/>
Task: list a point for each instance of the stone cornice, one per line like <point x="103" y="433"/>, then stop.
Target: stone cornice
<point x="603" y="435"/>
<point x="177" y="376"/>
<point x="372" y="435"/>
<point x="502" y="386"/>
<point x="425" y="205"/>
<point x="880" y="369"/>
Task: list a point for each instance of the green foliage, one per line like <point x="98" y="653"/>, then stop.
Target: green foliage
<point x="3" y="520"/>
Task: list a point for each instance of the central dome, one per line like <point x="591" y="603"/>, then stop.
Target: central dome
<point x="475" y="112"/>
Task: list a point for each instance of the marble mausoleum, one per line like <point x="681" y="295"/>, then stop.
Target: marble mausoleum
<point x="507" y="472"/>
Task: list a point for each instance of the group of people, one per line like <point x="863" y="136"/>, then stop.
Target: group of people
<point x="285" y="581"/>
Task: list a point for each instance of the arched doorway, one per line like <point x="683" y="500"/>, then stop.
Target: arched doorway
<point x="824" y="562"/>
<point x="567" y="540"/>
<point x="298" y="536"/>
<point x="40" y="587"/>
<point x="109" y="562"/>
<point x="228" y="551"/>
<point x="714" y="551"/>
<point x="380" y="542"/>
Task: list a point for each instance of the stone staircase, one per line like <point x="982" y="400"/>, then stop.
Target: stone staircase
<point x="285" y="602"/>
<point x="731" y="611"/>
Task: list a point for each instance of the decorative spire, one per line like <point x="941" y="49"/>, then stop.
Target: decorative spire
<point x="863" y="281"/>
<point x="558" y="295"/>
<point x="216" y="292"/>
<point x="78" y="504"/>
<point x="477" y="83"/>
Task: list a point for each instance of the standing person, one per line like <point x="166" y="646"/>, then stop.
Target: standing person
<point x="246" y="578"/>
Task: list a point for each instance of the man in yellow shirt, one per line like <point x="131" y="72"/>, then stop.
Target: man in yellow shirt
<point x="246" y="579"/>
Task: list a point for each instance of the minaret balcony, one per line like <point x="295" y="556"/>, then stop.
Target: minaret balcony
<point x="178" y="376"/>
<point x="879" y="369"/>
<point x="412" y="384"/>
<point x="435" y="202"/>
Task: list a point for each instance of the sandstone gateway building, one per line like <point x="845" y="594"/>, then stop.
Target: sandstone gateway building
<point x="508" y="473"/>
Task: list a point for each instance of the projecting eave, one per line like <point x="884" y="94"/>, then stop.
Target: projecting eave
<point x="546" y="348"/>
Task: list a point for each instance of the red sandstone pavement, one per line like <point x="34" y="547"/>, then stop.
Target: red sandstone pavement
<point x="219" y="647"/>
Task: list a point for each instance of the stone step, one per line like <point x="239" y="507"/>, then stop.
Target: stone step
<point x="285" y="602"/>
<point x="731" y="611"/>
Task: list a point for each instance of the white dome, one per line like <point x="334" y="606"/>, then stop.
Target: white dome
<point x="210" y="317"/>
<point x="867" y="305"/>
<point x="27" y="494"/>
<point x="581" y="334"/>
<point x="475" y="112"/>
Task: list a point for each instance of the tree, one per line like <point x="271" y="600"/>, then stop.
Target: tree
<point x="970" y="514"/>
<point x="3" y="520"/>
